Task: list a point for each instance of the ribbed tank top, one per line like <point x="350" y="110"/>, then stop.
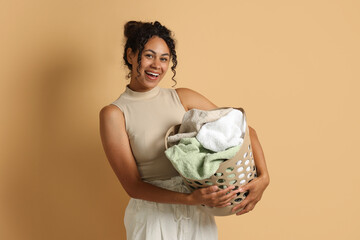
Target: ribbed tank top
<point x="148" y="116"/>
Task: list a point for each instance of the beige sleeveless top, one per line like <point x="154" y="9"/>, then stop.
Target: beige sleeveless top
<point x="148" y="115"/>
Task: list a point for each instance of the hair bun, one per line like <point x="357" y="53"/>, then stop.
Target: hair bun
<point x="131" y="28"/>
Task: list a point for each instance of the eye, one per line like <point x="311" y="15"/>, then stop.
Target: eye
<point x="148" y="55"/>
<point x="164" y="59"/>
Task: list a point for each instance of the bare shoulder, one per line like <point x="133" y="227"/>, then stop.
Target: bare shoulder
<point x="110" y="111"/>
<point x="111" y="119"/>
<point x="191" y="99"/>
<point x="117" y="148"/>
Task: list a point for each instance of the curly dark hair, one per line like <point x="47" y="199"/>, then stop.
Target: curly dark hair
<point x="138" y="34"/>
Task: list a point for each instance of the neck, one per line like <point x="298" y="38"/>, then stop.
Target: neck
<point x="135" y="86"/>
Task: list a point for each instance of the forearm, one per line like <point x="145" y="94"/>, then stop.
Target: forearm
<point x="259" y="157"/>
<point x="146" y="191"/>
<point x="211" y="196"/>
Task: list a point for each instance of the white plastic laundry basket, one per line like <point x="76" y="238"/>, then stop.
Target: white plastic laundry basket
<point x="237" y="171"/>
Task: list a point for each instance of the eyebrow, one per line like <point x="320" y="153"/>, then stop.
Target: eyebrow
<point x="164" y="54"/>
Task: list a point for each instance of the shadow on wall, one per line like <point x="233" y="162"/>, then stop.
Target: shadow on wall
<point x="60" y="185"/>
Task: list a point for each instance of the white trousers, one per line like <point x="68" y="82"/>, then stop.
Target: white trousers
<point x="145" y="220"/>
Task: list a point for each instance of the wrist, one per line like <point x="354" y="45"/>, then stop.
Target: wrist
<point x="188" y="199"/>
<point x="265" y="178"/>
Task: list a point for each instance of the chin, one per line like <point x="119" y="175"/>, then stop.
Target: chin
<point x="151" y="83"/>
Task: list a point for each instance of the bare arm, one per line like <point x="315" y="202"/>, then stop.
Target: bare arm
<point x="118" y="151"/>
<point x="256" y="187"/>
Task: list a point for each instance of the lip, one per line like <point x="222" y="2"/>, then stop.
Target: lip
<point x="152" y="77"/>
<point x="152" y="72"/>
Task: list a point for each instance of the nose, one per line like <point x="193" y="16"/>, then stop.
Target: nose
<point x="156" y="63"/>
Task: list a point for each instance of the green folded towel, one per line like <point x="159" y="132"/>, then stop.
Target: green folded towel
<point x="193" y="161"/>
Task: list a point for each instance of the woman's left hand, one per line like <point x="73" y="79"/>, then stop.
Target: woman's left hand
<point x="256" y="188"/>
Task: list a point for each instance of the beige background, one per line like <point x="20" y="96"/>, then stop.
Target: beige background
<point x="292" y="65"/>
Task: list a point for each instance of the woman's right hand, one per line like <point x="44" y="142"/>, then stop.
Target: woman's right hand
<point x="212" y="196"/>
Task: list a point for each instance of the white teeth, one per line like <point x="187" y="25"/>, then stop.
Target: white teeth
<point x="153" y="74"/>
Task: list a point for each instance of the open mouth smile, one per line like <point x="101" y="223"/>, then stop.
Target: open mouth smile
<point x="152" y="75"/>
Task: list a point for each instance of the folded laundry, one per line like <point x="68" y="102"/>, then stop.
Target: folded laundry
<point x="226" y="132"/>
<point x="194" y="119"/>
<point x="193" y="161"/>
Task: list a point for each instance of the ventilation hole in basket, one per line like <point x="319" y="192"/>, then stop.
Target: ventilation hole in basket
<point x="223" y="186"/>
<point x="188" y="181"/>
<point x="239" y="162"/>
<point x="248" y="169"/>
<point x="231" y="175"/>
<point x="235" y="188"/>
<point x="208" y="183"/>
<point x="232" y="182"/>
<point x="245" y="155"/>
<point x="255" y="175"/>
<point x="192" y="187"/>
<point x="243" y="181"/>
<point x="197" y="182"/>
<point x="247" y="162"/>
<point x="238" y="194"/>
<point x="231" y="204"/>
<point x="249" y="146"/>
<point x="229" y="169"/>
<point x="254" y="168"/>
<point x="246" y="193"/>
<point x="203" y="205"/>
<point x="250" y="180"/>
<point x="238" y="200"/>
<point x="219" y="174"/>
<point x="242" y="175"/>
<point x="240" y="169"/>
<point x="250" y="154"/>
<point x="220" y="180"/>
<point x="249" y="175"/>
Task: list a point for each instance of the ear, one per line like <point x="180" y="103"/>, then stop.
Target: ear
<point x="130" y="55"/>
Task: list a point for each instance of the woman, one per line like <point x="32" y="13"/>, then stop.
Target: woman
<point x="132" y="131"/>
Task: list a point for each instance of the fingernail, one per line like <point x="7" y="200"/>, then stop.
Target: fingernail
<point x="241" y="189"/>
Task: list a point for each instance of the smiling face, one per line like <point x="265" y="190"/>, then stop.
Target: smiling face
<point x="155" y="60"/>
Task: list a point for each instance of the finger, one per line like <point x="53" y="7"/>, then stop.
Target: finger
<point x="209" y="190"/>
<point x="227" y="202"/>
<point x="244" y="188"/>
<point x="245" y="201"/>
<point x="223" y="205"/>
<point x="229" y="196"/>
<point x="214" y="198"/>
<point x="241" y="205"/>
<point x="225" y="191"/>
<point x="247" y="186"/>
<point x="247" y="209"/>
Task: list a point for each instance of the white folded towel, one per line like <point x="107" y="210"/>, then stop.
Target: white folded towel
<point x="194" y="119"/>
<point x="228" y="131"/>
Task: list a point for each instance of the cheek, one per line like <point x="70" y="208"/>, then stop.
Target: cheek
<point x="165" y="66"/>
<point x="144" y="64"/>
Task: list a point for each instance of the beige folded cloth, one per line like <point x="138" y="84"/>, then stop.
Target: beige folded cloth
<point x="193" y="121"/>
